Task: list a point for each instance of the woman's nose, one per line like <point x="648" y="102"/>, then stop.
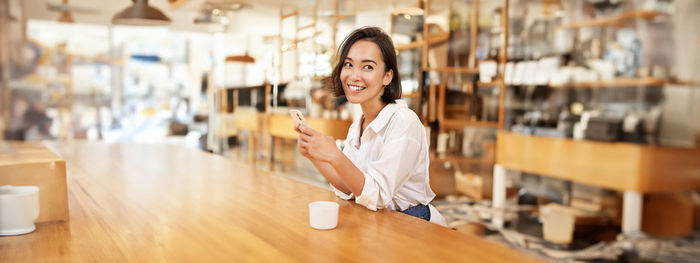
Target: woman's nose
<point x="354" y="74"/>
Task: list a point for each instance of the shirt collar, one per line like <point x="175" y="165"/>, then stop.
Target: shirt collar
<point x="385" y="115"/>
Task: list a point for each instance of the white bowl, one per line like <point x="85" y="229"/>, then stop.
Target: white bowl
<point x="323" y="214"/>
<point x="19" y="207"/>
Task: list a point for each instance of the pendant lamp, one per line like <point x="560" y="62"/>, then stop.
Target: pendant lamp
<point x="141" y="14"/>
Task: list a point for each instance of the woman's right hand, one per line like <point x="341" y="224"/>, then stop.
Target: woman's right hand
<point x="303" y="151"/>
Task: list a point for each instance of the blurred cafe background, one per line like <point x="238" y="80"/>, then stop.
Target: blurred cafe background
<point x="570" y="128"/>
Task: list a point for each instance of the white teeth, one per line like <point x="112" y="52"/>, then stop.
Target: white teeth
<point x="355" y="88"/>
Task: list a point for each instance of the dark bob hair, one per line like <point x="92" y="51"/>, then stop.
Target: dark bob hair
<point x="392" y="92"/>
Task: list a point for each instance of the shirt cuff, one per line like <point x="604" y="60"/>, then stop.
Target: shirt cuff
<point x="370" y="193"/>
<point x="342" y="195"/>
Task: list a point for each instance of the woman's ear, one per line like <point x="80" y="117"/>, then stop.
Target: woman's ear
<point x="388" y="76"/>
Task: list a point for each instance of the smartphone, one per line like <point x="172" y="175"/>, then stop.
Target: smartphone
<point x="298" y="117"/>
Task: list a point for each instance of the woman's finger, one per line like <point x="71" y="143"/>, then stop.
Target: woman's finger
<point x="303" y="137"/>
<point x="301" y="127"/>
<point x="306" y="130"/>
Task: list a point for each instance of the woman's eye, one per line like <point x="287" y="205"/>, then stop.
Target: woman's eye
<point x="347" y="64"/>
<point x="368" y="67"/>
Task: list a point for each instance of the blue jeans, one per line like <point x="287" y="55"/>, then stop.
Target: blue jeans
<point x="420" y="211"/>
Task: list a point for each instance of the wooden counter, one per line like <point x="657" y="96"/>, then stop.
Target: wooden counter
<point x="634" y="169"/>
<point x="160" y="203"/>
<point x="620" y="166"/>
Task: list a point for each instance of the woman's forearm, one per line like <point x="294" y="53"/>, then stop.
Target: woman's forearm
<point x="350" y="175"/>
<point x="331" y="175"/>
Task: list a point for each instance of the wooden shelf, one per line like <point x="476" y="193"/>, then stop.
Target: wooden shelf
<point x="412" y="45"/>
<point x="453" y="70"/>
<point x="438" y="38"/>
<point x="243" y="87"/>
<point x="343" y="16"/>
<point x="433" y="39"/>
<point x="288" y="15"/>
<point x="463" y="123"/>
<point x="493" y="83"/>
<point x="618" y="165"/>
<point x="455" y="107"/>
<point x="312" y="25"/>
<point x="622" y="82"/>
<point x="613" y="20"/>
<point x="460" y="159"/>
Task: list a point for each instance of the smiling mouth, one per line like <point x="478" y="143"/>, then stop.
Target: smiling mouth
<point x="355" y="88"/>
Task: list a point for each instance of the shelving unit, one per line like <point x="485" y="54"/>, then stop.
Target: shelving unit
<point x="463" y="123"/>
<point x="278" y="127"/>
<point x="434" y="39"/>
<point x="493" y="83"/>
<point x="634" y="169"/>
<point x="452" y="70"/>
<point x="613" y="20"/>
<point x="436" y="92"/>
<point x="280" y="40"/>
<point x="337" y="16"/>
<point x="434" y="96"/>
<point x="228" y="124"/>
<point x="622" y="82"/>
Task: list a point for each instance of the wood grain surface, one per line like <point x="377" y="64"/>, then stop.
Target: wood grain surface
<point x="160" y="203"/>
<point x="620" y="166"/>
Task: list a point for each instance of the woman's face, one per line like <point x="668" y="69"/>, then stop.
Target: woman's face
<point x="363" y="74"/>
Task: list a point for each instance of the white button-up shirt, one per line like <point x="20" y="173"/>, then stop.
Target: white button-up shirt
<point x="393" y="156"/>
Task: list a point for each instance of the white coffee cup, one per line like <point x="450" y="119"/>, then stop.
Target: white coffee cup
<point x="19" y="208"/>
<point x="323" y="214"/>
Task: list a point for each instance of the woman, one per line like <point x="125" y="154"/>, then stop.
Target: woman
<point x="384" y="164"/>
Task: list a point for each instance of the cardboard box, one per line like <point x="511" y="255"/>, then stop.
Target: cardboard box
<point x="477" y="187"/>
<point x="33" y="164"/>
<point x="442" y="180"/>
<point x="668" y="214"/>
<point x="559" y="222"/>
<point x="610" y="206"/>
<point x="469" y="228"/>
<point x="695" y="197"/>
<point x="596" y="199"/>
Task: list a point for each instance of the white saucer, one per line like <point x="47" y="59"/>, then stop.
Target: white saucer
<point x="13" y="232"/>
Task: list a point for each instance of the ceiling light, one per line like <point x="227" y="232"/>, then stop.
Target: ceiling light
<point x="140" y="13"/>
<point x="244" y="59"/>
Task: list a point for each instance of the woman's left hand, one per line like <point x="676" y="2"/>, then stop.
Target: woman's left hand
<point x="317" y="145"/>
